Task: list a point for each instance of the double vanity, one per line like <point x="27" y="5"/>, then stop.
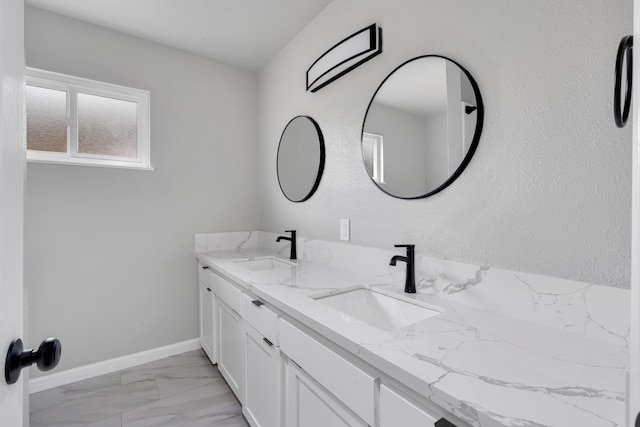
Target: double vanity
<point x="332" y="339"/>
<point x="346" y="335"/>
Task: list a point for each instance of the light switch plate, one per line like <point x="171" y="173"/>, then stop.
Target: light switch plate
<point x="345" y="232"/>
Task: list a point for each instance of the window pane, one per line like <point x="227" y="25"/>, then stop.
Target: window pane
<point x="46" y="119"/>
<point x="107" y="126"/>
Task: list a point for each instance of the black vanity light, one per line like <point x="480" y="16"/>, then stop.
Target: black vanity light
<point x="351" y="52"/>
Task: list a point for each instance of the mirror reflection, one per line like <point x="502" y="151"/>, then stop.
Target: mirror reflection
<point x="300" y="158"/>
<point x="422" y="127"/>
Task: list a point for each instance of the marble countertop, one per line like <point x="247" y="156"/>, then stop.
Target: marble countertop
<point x="487" y="369"/>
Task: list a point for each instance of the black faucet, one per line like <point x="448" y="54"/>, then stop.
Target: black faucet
<point x="410" y="281"/>
<point x="292" y="239"/>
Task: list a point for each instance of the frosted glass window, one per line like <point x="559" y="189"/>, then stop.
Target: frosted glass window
<point x="107" y="126"/>
<point x="77" y="121"/>
<point x="46" y="119"/>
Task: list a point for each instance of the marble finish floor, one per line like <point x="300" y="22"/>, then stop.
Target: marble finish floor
<point x="183" y="390"/>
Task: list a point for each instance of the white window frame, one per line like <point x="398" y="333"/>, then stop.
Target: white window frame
<point x="73" y="86"/>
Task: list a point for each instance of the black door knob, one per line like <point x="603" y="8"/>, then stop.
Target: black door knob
<point x="46" y="358"/>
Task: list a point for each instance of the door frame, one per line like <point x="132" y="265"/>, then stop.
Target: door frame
<point x="14" y="409"/>
<point x="633" y="395"/>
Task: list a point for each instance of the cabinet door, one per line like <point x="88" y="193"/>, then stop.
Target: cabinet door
<point x="207" y="331"/>
<point x="395" y="410"/>
<point x="230" y="347"/>
<point x="350" y="384"/>
<point x="262" y="405"/>
<point x="309" y="404"/>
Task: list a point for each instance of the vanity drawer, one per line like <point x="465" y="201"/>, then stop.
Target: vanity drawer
<point x="396" y="410"/>
<point x="347" y="382"/>
<point x="230" y="294"/>
<point x="258" y="315"/>
<point x="205" y="275"/>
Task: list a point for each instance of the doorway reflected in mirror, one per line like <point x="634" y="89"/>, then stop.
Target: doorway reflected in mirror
<point x="429" y="112"/>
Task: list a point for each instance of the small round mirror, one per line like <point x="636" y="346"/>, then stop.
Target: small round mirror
<point x="422" y="127"/>
<point x="300" y="158"/>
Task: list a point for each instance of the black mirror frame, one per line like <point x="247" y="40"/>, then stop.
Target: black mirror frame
<point x="620" y="112"/>
<point x="320" y="165"/>
<point x="474" y="142"/>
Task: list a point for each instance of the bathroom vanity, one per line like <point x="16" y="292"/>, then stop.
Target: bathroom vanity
<point x="263" y="351"/>
<point x="317" y="342"/>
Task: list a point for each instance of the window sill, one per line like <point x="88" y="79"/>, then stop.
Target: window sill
<point x="89" y="162"/>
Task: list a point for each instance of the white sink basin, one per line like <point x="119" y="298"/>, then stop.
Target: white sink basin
<point x="379" y="310"/>
<point x="266" y="263"/>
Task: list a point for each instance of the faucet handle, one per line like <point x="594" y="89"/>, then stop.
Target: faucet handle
<point x="289" y="231"/>
<point x="410" y="247"/>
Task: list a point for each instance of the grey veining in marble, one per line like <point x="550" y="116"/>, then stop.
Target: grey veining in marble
<point x="508" y="349"/>
<point x="182" y="390"/>
<point x="591" y="310"/>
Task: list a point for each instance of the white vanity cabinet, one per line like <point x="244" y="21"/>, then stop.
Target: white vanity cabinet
<point x="229" y="334"/>
<point x="286" y="374"/>
<point x="396" y="410"/>
<point x="262" y="405"/>
<point x="322" y="387"/>
<point x="263" y="377"/>
<point x="307" y="403"/>
<point x="206" y="317"/>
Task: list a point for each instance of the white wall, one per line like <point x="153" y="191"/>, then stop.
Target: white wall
<point x="109" y="252"/>
<point x="455" y="154"/>
<point x="436" y="150"/>
<point x="548" y="190"/>
<point x="403" y="133"/>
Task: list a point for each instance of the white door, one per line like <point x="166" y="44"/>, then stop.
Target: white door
<point x="263" y="380"/>
<point x="309" y="404"/>
<point x="229" y="346"/>
<point x="12" y="166"/>
<point x="633" y="400"/>
<point x="207" y="340"/>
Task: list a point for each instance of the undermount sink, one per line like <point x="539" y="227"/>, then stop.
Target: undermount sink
<point x="379" y="310"/>
<point x="266" y="263"/>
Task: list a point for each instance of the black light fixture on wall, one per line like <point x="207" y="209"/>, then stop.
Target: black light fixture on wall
<point x="624" y="72"/>
<point x="351" y="52"/>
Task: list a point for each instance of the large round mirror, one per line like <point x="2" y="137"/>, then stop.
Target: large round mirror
<point x="300" y="158"/>
<point x="422" y="127"/>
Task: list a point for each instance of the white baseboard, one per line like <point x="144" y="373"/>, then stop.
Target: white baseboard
<point x="112" y="365"/>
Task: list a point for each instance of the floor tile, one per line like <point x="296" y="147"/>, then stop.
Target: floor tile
<point x="97" y="406"/>
<point x="184" y="390"/>
<point x="109" y="422"/>
<point x="167" y="365"/>
<point x="205" y="402"/>
<point x="78" y="390"/>
<point x="221" y="420"/>
<point x="178" y="380"/>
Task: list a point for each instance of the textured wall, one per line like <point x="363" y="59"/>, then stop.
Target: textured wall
<point x="548" y="190"/>
<point x="109" y="252"/>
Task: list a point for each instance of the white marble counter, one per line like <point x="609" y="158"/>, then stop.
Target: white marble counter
<point x="488" y="369"/>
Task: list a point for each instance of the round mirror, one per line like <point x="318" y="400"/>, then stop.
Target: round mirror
<point x="422" y="127"/>
<point x="300" y="158"/>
